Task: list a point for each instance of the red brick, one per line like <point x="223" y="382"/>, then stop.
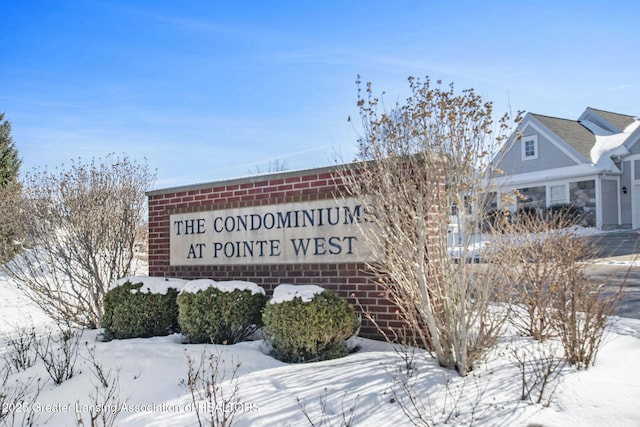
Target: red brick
<point x="348" y="280"/>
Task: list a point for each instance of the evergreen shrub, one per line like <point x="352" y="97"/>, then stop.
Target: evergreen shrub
<point x="310" y="331"/>
<point x="130" y="312"/>
<point x="218" y="314"/>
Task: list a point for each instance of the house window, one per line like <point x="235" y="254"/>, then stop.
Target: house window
<point x="530" y="147"/>
<point x="582" y="195"/>
<point x="557" y="195"/>
<point x="532" y="197"/>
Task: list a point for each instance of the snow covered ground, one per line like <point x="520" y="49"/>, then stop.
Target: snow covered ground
<point x="153" y="371"/>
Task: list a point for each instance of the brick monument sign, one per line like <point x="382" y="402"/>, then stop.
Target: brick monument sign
<point x="289" y="227"/>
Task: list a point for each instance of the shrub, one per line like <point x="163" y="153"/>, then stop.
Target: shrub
<point x="529" y="215"/>
<point x="305" y="331"/>
<point x="59" y="352"/>
<point x="496" y="220"/>
<point x="585" y="310"/>
<point x="220" y="312"/>
<point x="564" y="215"/>
<point x="140" y="307"/>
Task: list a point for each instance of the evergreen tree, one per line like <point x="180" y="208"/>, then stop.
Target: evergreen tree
<point x="9" y="160"/>
<point x="11" y="227"/>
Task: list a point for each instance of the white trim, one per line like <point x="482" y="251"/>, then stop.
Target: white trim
<point x="523" y="147"/>
<point x="635" y="191"/>
<point x="551" y="175"/>
<point x="619" y="194"/>
<point x="598" y="190"/>
<point x="635" y="205"/>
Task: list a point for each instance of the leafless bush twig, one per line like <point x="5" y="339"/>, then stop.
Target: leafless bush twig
<point x="213" y="388"/>
<point x="58" y="350"/>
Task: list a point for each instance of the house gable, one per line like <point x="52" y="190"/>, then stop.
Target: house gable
<point x="612" y="122"/>
<point x="551" y="151"/>
<point x="570" y="132"/>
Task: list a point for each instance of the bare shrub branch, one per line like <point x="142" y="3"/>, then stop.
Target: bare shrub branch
<point x="539" y="366"/>
<point x="214" y="389"/>
<point x="584" y="309"/>
<point x="461" y="400"/>
<point x="81" y="226"/>
<point x="59" y="352"/>
<point x="21" y="352"/>
<point x="421" y="161"/>
<point x="97" y="369"/>
<point x="17" y="402"/>
<point x="347" y="414"/>
<point x="104" y="400"/>
<point x="536" y="256"/>
<point x="545" y="259"/>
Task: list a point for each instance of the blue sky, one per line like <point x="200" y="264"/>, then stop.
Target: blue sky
<point x="210" y="90"/>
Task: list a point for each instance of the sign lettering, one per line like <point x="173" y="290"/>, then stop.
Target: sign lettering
<point x="303" y="232"/>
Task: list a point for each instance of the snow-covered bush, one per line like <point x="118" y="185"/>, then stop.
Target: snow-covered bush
<point x="307" y="323"/>
<point x="141" y="307"/>
<point x="220" y="312"/>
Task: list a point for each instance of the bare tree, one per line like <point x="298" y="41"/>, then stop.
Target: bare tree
<point x="82" y="223"/>
<point x="424" y="177"/>
<point x="277" y="165"/>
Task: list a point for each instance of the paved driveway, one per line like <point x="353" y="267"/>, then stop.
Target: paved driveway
<point x="619" y="245"/>
<point x="618" y="250"/>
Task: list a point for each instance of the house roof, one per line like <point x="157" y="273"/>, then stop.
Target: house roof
<point x="571" y="131"/>
<point x="620" y="121"/>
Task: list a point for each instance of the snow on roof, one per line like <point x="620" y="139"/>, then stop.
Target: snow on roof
<point x="285" y="292"/>
<point x="194" y="286"/>
<point x="154" y="285"/>
<point x="609" y="145"/>
<point x="606" y="146"/>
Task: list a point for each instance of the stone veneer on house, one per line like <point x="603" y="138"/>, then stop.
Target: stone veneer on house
<point x="348" y="279"/>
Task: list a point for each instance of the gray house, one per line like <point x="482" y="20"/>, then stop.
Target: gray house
<point x="592" y="163"/>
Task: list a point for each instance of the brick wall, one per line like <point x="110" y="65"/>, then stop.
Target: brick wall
<point x="347" y="279"/>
